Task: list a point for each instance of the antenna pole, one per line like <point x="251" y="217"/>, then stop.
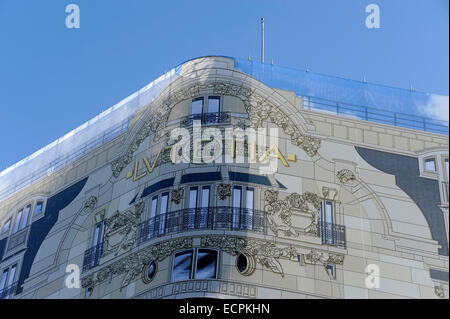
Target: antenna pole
<point x="262" y="40"/>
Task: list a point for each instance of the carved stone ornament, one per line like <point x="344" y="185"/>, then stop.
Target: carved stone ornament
<point x="121" y="230"/>
<point x="133" y="264"/>
<point x="264" y="252"/>
<point x="257" y="106"/>
<point x="224" y="191"/>
<point x="279" y="212"/>
<point x="346" y="176"/>
<point x="177" y="195"/>
<point x="439" y="291"/>
<point x="314" y="257"/>
<point x="90" y="202"/>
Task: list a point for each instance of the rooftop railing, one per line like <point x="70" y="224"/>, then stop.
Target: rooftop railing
<point x="375" y="115"/>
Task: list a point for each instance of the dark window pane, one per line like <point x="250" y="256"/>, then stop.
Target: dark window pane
<point x="182" y="265"/>
<point x="213" y="104"/>
<point x="206" y="264"/>
<point x="38" y="208"/>
<point x="151" y="270"/>
<point x="197" y="106"/>
<point x="242" y="263"/>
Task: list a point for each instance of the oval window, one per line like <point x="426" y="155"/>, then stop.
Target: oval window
<point x="242" y="263"/>
<point x="149" y="272"/>
<point x="245" y="264"/>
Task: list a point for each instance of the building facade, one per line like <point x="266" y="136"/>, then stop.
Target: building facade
<point x="317" y="204"/>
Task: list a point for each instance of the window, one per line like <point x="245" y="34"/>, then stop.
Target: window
<point x="206" y="266"/>
<point x="430" y="164"/>
<point x="149" y="272"/>
<point x="326" y="221"/>
<point x="195" y="264"/>
<point x="245" y="264"/>
<point x="7" y="282"/>
<point x="197" y="106"/>
<point x="25" y="217"/>
<point x="243" y="216"/>
<point x="163" y="211"/>
<point x="193" y="199"/>
<point x="38" y="208"/>
<point x="446" y="169"/>
<point x="237" y="200"/>
<point x="182" y="265"/>
<point x="18" y="220"/>
<point x="214" y="104"/>
<point x="331" y="270"/>
<point x="204" y="210"/>
<point x="6" y="226"/>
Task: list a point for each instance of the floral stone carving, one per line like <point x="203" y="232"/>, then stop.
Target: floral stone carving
<point x="133" y="264"/>
<point x="121" y="230"/>
<point x="177" y="195"/>
<point x="224" y="191"/>
<point x="279" y="212"/>
<point x="265" y="252"/>
<point x="345" y="176"/>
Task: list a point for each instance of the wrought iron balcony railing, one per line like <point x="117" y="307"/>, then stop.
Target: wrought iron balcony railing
<point x="445" y="192"/>
<point x="206" y="118"/>
<point x="92" y="257"/>
<point x="224" y="218"/>
<point x="332" y="234"/>
<point x="9" y="291"/>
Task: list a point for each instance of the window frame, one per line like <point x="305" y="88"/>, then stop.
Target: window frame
<point x="194" y="262"/>
<point x="427" y="158"/>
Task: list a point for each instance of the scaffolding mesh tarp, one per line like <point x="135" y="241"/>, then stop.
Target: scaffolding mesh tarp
<point x="357" y="99"/>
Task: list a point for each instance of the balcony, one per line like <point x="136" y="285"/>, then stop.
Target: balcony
<point x="92" y="257"/>
<point x="213" y="218"/>
<point x="8" y="292"/>
<point x="206" y="118"/>
<point x="332" y="234"/>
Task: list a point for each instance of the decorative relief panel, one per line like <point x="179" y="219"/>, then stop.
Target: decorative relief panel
<point x="177" y="195"/>
<point x="265" y="252"/>
<point x="121" y="230"/>
<point x="224" y="191"/>
<point x="279" y="213"/>
<point x="257" y="106"/>
<point x="133" y="264"/>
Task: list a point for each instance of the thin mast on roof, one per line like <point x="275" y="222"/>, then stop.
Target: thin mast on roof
<point x="262" y="40"/>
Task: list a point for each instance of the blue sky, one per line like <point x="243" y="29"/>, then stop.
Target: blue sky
<point x="52" y="79"/>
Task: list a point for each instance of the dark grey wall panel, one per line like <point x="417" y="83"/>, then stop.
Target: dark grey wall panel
<point x="423" y="191"/>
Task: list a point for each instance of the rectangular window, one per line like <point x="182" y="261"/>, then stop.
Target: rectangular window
<point x="237" y="202"/>
<point x="38" y="208"/>
<point x="6" y="226"/>
<point x="249" y="205"/>
<point x="193" y="199"/>
<point x="206" y="266"/>
<point x="18" y="220"/>
<point x="197" y="106"/>
<point x="214" y="104"/>
<point x="204" y="210"/>
<point x="326" y="221"/>
<point x="182" y="265"/>
<point x="446" y="170"/>
<point x="430" y="164"/>
<point x="3" y="279"/>
<point x="98" y="234"/>
<point x="25" y="217"/>
<point x="163" y="211"/>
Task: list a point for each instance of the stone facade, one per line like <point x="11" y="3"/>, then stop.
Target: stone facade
<point x="98" y="211"/>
